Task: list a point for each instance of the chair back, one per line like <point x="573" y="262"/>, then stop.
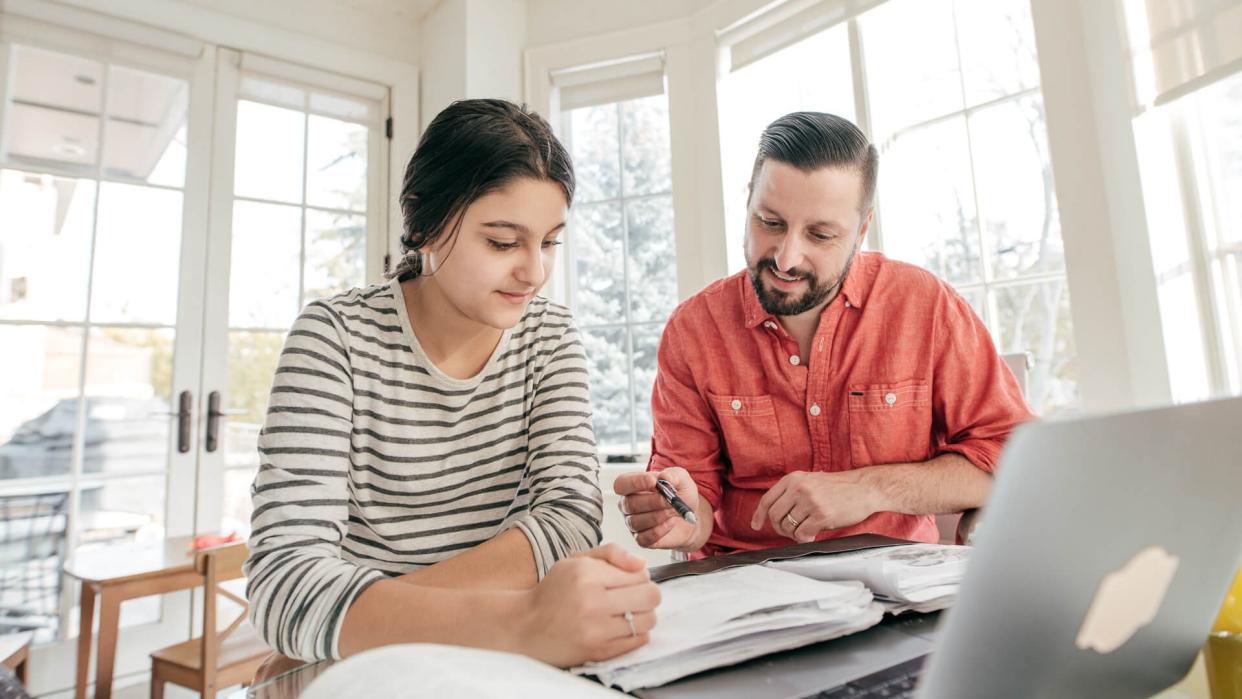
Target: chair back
<point x="1020" y="364"/>
<point x="217" y="565"/>
<point x="32" y="544"/>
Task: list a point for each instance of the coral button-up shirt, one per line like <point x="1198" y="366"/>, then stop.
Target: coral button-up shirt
<point x="900" y="370"/>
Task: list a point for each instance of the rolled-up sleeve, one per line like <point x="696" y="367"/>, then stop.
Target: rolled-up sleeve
<point x="975" y="395"/>
<point x="299" y="586"/>
<point x="684" y="430"/>
<point x="562" y="465"/>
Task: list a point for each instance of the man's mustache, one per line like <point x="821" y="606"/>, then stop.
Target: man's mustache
<point x="770" y="263"/>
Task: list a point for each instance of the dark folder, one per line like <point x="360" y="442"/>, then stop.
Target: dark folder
<point x="743" y="558"/>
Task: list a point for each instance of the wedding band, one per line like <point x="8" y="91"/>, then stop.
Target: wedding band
<point x="794" y="522"/>
<point x="629" y="619"/>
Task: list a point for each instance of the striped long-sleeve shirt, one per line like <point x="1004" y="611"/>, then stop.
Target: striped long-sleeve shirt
<point x="373" y="462"/>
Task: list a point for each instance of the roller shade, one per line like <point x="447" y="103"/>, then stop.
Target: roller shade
<point x="610" y="81"/>
<point x="1179" y="46"/>
<point x="783" y="24"/>
<point x="287" y="85"/>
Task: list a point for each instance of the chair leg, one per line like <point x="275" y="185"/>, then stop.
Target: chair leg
<point x="157" y="687"/>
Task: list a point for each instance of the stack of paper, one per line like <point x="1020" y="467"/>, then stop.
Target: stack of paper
<point x="917" y="577"/>
<point x="722" y="618"/>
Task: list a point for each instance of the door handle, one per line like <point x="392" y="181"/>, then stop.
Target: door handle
<point x="184" y="410"/>
<point x="214" y="413"/>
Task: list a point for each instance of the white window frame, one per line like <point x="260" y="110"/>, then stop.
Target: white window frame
<point x="626" y="323"/>
<point x="144" y="36"/>
<point x="1117" y="328"/>
<point x="159" y="52"/>
<point x="230" y="67"/>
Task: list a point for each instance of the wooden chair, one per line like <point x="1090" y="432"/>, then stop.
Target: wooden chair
<point x="217" y="659"/>
<point x="15" y="654"/>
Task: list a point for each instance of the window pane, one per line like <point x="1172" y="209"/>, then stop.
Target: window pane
<point x="653" y="258"/>
<point x="648" y="167"/>
<point x="610" y="386"/>
<point x="336" y="247"/>
<point x="1183" y="338"/>
<point x="646" y="343"/>
<point x="975" y="298"/>
<point x="54" y="108"/>
<point x="129" y="396"/>
<point x="38" y="399"/>
<point x="1013" y="179"/>
<point x="1227" y="283"/>
<point x="599" y="259"/>
<point x="596" y="152"/>
<point x="1222" y="110"/>
<point x="997" y="39"/>
<point x="1035" y="318"/>
<point x="144" y="136"/>
<point x="927" y="202"/>
<point x="252" y="365"/>
<point x="137" y="257"/>
<point x="269" y="152"/>
<point x="235" y="513"/>
<point x="45" y="242"/>
<point x="263" y="278"/>
<point x="336" y="168"/>
<point x="912" y="68"/>
<point x="122" y="510"/>
<point x="754" y="96"/>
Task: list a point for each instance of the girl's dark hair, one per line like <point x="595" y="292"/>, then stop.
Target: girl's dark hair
<point x="472" y="148"/>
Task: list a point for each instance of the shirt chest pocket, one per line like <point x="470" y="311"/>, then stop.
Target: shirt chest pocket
<point x="751" y="434"/>
<point x="890" y="422"/>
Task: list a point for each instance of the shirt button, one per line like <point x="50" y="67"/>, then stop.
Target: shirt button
<point x="890" y="398"/>
<point x="769" y="325"/>
<point x="736" y="404"/>
<point x="794" y="360"/>
<point x="815" y="410"/>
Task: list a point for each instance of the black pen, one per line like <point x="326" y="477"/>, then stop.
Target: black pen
<point x="666" y="489"/>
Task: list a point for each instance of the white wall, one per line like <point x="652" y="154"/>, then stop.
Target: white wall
<point x="471" y="49"/>
<point x="386" y="28"/>
<point x="333" y="32"/>
<point x="1117" y="326"/>
<point x="442" y="57"/>
<point x="556" y="21"/>
<point x="497" y="36"/>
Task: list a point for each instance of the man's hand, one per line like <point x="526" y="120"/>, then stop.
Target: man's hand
<point x="803" y="503"/>
<point x="654" y="522"/>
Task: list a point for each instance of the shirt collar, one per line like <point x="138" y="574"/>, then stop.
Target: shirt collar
<point x="855" y="289"/>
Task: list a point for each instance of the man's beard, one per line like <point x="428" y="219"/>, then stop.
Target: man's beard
<point x="782" y="303"/>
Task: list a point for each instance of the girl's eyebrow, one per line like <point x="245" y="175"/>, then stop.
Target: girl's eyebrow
<point x="509" y="225"/>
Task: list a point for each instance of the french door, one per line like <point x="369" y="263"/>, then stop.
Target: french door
<point x="164" y="214"/>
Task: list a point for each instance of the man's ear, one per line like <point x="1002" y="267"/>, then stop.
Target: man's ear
<point x="865" y="227"/>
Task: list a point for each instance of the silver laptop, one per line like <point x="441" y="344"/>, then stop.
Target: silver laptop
<point x="1107" y="547"/>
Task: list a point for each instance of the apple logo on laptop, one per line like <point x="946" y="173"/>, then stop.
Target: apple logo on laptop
<point x="1127" y="600"/>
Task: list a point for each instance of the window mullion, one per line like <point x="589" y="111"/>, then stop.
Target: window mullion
<point x="985" y="259"/>
<point x="862" y="114"/>
<point x="625" y="276"/>
<point x="1197" y="242"/>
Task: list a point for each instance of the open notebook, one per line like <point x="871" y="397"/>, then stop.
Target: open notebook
<point x="720" y="611"/>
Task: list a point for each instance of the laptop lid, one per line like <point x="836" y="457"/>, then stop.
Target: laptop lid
<point x="1105" y="552"/>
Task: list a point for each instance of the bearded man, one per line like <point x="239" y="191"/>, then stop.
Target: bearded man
<point x="823" y="391"/>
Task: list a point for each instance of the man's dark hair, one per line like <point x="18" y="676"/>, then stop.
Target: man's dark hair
<point x="813" y="140"/>
<point x="473" y="148"/>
